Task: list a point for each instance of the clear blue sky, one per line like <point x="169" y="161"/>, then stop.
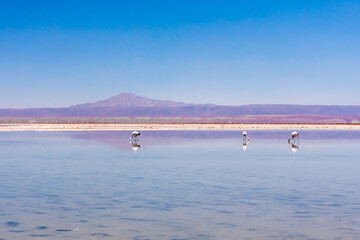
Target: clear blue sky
<point x="59" y="53"/>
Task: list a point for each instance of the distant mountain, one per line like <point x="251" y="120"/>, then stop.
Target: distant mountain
<point x="130" y="105"/>
<point x="131" y="100"/>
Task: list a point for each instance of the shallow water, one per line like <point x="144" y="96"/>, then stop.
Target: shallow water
<point x="179" y="185"/>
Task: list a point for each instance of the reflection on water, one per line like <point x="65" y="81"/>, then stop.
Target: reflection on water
<point x="135" y="146"/>
<point x="294" y="147"/>
<point x="180" y="185"/>
<point x="245" y="145"/>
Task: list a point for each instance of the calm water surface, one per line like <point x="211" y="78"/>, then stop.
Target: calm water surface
<point x="179" y="185"/>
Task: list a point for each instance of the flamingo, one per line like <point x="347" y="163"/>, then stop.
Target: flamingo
<point x="246" y="140"/>
<point x="245" y="136"/>
<point x="134" y="136"/>
<point x="294" y="135"/>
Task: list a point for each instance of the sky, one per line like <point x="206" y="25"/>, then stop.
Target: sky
<point x="62" y="53"/>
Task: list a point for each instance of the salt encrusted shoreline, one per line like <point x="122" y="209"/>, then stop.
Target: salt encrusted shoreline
<point x="144" y="127"/>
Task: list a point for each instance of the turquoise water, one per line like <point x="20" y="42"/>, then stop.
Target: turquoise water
<point x="179" y="185"/>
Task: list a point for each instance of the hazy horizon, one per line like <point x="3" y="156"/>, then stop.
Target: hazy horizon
<point x="62" y="53"/>
<point x="156" y="99"/>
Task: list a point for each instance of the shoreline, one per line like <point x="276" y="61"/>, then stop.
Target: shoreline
<point x="53" y="127"/>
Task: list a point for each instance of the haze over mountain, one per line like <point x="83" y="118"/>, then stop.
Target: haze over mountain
<point x="131" y="105"/>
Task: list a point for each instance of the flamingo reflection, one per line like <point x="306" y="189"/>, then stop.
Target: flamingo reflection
<point x="135" y="146"/>
<point x="294" y="147"/>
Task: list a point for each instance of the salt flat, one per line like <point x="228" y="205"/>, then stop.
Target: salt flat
<point x="117" y="127"/>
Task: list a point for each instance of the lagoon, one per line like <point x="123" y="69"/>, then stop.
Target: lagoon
<point x="179" y="185"/>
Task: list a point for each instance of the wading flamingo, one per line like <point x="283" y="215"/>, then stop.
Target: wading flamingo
<point x="294" y="135"/>
<point x="246" y="140"/>
<point x="134" y="136"/>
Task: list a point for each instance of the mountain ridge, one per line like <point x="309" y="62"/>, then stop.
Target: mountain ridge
<point x="132" y="100"/>
<point x="131" y="105"/>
